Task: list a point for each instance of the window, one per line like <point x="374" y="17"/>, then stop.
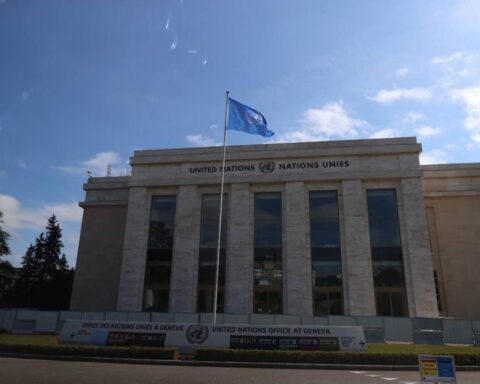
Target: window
<point x="386" y="249"/>
<point x="159" y="254"/>
<point x="325" y="253"/>
<point x="208" y="253"/>
<point x="267" y="273"/>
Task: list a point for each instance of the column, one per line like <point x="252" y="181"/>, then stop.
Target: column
<point x="422" y="300"/>
<point x="183" y="286"/>
<point x="296" y="260"/>
<point x="239" y="263"/>
<point x="132" y="273"/>
<point x="356" y="259"/>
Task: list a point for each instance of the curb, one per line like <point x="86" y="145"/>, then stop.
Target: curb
<point x="227" y="364"/>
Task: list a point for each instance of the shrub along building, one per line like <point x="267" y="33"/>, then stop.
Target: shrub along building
<point x="323" y="228"/>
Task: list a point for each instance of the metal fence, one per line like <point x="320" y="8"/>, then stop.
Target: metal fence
<point x="377" y="329"/>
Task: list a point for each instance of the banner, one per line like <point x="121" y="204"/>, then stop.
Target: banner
<point x="189" y="337"/>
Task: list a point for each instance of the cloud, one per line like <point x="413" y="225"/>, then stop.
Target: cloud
<point x="457" y="56"/>
<point x="383" y="134"/>
<point x="3" y="173"/>
<point x="16" y="217"/>
<point x="470" y="97"/>
<point x="455" y="67"/>
<point x="427" y="131"/>
<point x="389" y="96"/>
<point x="26" y="94"/>
<point x="329" y="121"/>
<point x="21" y="164"/>
<point x="201" y="141"/>
<point x="97" y="164"/>
<point x="412" y="118"/>
<point x="476" y="138"/>
<point x="401" y="72"/>
<point x="435" y="156"/>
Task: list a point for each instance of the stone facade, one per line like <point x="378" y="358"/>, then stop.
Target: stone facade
<point x="452" y="200"/>
<point x="113" y="243"/>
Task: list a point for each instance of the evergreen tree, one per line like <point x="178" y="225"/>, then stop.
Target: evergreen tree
<point x="45" y="281"/>
<point x="29" y="264"/>
<point x="52" y="246"/>
<point x="4" y="236"/>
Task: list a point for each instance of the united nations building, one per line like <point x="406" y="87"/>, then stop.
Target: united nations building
<point x="323" y="228"/>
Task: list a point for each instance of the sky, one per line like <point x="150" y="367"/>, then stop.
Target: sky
<point x="85" y="83"/>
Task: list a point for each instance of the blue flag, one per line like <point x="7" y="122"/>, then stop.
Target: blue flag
<point x="246" y="119"/>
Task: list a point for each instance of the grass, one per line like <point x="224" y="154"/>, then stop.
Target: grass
<point x="421" y="349"/>
<point x="402" y="354"/>
<point x="43" y="340"/>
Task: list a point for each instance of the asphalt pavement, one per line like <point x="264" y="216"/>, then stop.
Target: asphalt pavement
<point x="32" y="371"/>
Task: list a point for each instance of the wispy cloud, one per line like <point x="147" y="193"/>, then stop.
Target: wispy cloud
<point x="329" y="121"/>
<point x="412" y="117"/>
<point x="435" y="156"/>
<point x="383" y="134"/>
<point x="401" y="72"/>
<point x="470" y="97"/>
<point x="427" y="131"/>
<point x="457" y="56"/>
<point x="97" y="164"/>
<point x="16" y="217"/>
<point x="201" y="141"/>
<point x="386" y="96"/>
<point x="455" y="67"/>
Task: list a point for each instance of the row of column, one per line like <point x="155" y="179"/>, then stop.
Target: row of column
<point x="358" y="286"/>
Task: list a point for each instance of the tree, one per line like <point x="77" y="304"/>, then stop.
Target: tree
<point x="7" y="272"/>
<point x="52" y="246"/>
<point x="45" y="280"/>
<point x="4" y="236"/>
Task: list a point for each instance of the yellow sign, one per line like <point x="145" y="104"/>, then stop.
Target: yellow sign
<point x="428" y="367"/>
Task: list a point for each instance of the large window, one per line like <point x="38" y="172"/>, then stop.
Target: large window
<point x="208" y="253"/>
<point x="159" y="254"/>
<point x="326" y="256"/>
<point x="268" y="253"/>
<point x="386" y="248"/>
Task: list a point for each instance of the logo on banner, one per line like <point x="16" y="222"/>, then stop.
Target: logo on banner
<point x="197" y="333"/>
<point x="267" y="166"/>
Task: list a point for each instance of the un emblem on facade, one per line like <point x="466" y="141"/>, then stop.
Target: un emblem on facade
<point x="267" y="166"/>
<point x="197" y="333"/>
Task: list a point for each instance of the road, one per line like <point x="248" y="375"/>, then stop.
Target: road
<point x="30" y="371"/>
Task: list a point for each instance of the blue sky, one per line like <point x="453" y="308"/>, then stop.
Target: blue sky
<point x="85" y="83"/>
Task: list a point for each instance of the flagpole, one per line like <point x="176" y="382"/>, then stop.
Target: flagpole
<point x="219" y="240"/>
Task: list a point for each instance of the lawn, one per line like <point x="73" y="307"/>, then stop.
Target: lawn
<point x="45" y="340"/>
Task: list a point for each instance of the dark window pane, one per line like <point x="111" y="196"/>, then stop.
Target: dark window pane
<point x="208" y="253"/>
<point x="383" y="304"/>
<point x="267" y="270"/>
<point x="321" y="304"/>
<point x="325" y="252"/>
<point x="209" y="221"/>
<point x="399" y="304"/>
<point x="335" y="303"/>
<point x="156" y="300"/>
<point x="159" y="253"/>
<point x="391" y="302"/>
<point x="268" y="301"/>
<point x="386" y="248"/>
<point x="383" y="218"/>
<point x="268" y="234"/>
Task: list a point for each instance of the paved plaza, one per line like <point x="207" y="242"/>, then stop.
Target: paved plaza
<point x="29" y="371"/>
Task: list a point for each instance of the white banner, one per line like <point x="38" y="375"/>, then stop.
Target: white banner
<point x="189" y="337"/>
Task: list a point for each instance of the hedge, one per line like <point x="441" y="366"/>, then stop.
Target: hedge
<point x="314" y="357"/>
<point x="92" y="351"/>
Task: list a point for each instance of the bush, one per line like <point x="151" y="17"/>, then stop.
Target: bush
<point x="92" y="351"/>
<point x="314" y="357"/>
